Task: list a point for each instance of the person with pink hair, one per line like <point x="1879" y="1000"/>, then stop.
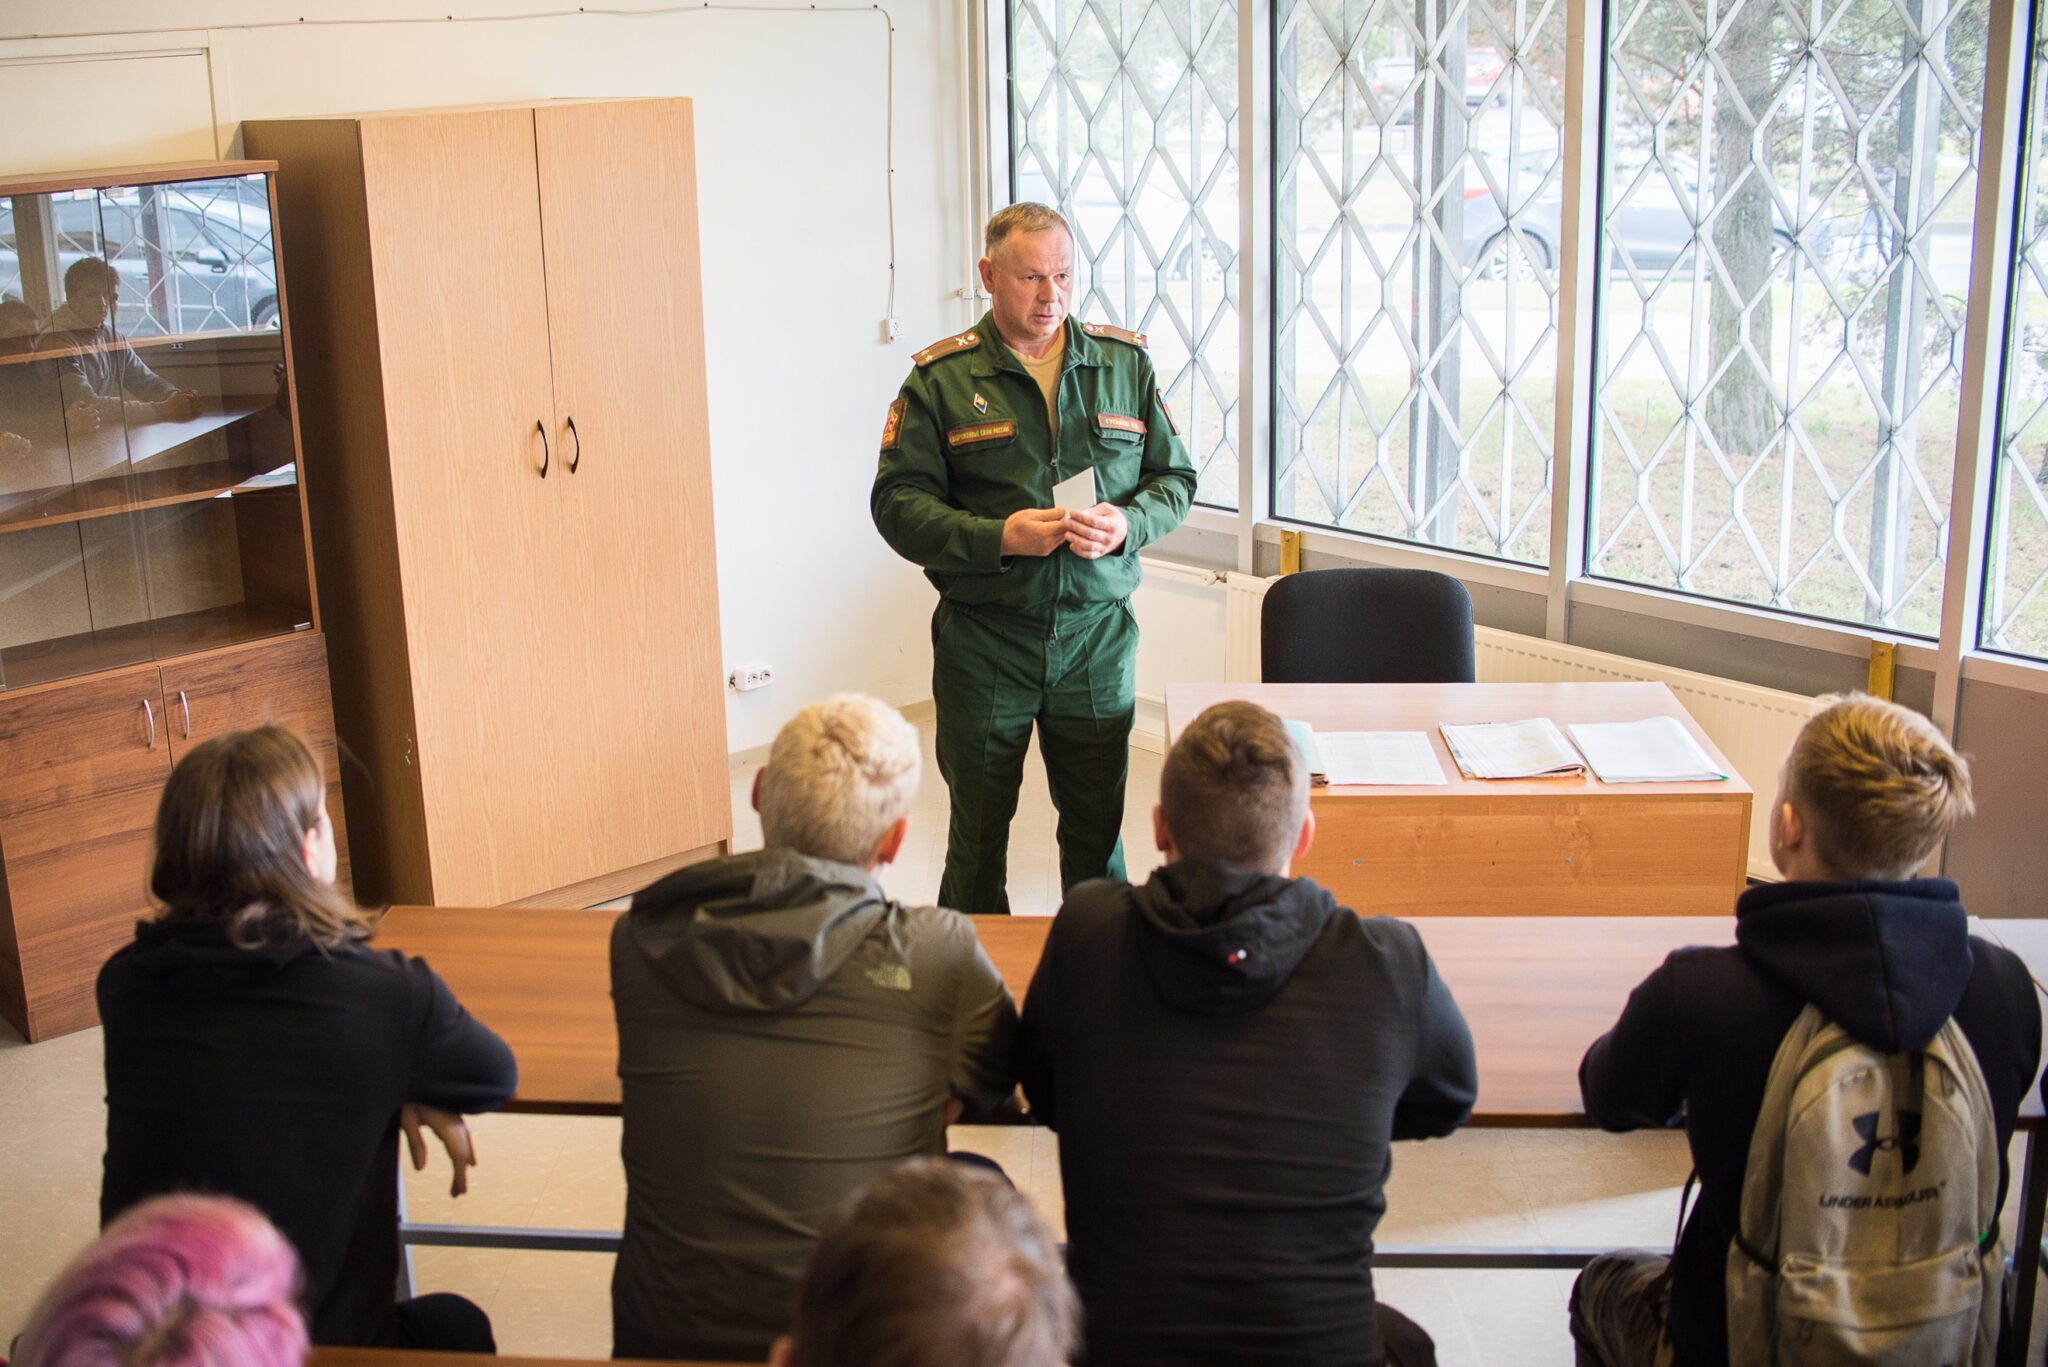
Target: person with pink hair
<point x="180" y="1281"/>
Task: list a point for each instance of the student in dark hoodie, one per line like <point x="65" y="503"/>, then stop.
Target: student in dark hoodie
<point x="1868" y="793"/>
<point x="1226" y="1053"/>
<point x="787" y="1034"/>
<point x="256" y="1047"/>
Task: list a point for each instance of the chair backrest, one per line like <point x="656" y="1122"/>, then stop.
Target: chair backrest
<point x="1366" y="626"/>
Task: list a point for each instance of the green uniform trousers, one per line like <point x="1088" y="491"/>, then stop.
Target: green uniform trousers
<point x="995" y="674"/>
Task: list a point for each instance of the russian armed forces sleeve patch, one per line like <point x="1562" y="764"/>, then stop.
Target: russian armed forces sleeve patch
<point x="892" y="426"/>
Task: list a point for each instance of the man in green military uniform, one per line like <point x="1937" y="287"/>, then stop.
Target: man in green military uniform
<point x="1034" y="623"/>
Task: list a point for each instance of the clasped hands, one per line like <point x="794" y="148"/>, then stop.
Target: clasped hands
<point x="1090" y="533"/>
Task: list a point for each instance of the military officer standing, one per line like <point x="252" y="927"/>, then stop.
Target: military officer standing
<point x="1034" y="622"/>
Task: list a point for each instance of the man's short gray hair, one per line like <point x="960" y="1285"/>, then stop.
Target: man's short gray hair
<point x="1026" y="217"/>
<point x="839" y="775"/>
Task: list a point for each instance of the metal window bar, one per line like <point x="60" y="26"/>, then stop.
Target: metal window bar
<point x="1417" y="207"/>
<point x="2015" y="600"/>
<point x="1124" y="115"/>
<point x="1785" y="247"/>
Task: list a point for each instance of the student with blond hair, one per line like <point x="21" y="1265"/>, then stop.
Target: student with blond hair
<point x="180" y="1281"/>
<point x="257" y="1047"/>
<point x="787" y="1034"/>
<point x="937" y="1264"/>
<point x="1227" y="1054"/>
<point x="1856" y="932"/>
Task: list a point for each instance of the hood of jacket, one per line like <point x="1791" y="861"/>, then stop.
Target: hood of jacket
<point x="1217" y="939"/>
<point x="1886" y="961"/>
<point x="754" y="932"/>
<point x="198" y="957"/>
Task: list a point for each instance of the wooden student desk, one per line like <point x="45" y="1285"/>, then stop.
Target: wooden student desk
<point x="1531" y="847"/>
<point x="1535" y="991"/>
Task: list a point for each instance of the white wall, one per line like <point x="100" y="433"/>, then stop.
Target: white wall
<point x="791" y="117"/>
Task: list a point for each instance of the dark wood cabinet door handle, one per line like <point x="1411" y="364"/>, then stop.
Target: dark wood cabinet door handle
<point x="545" y="454"/>
<point x="185" y="705"/>
<point x="576" y="456"/>
<point x="149" y="715"/>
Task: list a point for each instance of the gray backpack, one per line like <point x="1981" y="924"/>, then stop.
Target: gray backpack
<point x="1869" y="1229"/>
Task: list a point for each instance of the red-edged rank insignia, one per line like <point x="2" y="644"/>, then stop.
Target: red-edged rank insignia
<point x="1167" y="413"/>
<point x="1136" y="339"/>
<point x="980" y="432"/>
<point x="892" y="426"/>
<point x="959" y="341"/>
<point x="980" y="404"/>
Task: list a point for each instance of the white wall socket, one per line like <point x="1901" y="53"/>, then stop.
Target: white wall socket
<point x="748" y="677"/>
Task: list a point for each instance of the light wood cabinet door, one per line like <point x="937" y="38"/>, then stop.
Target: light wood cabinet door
<point x="625" y="310"/>
<point x="84" y="766"/>
<point x="281" y="682"/>
<point x="462" y="321"/>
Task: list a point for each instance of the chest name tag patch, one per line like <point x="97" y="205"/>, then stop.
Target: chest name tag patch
<point x="892" y="426"/>
<point x="1120" y="422"/>
<point x="980" y="432"/>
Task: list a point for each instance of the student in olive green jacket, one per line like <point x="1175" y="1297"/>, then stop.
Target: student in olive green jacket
<point x="1034" y="622"/>
<point x="787" y="1034"/>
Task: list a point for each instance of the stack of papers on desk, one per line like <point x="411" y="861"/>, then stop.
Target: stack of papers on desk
<point x="1655" y="750"/>
<point x="1514" y="749"/>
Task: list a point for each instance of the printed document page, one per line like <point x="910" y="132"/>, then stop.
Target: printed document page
<point x="1380" y="757"/>
<point x="1512" y="749"/>
<point x="1655" y="750"/>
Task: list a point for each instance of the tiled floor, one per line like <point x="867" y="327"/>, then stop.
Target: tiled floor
<point x="1558" y="1187"/>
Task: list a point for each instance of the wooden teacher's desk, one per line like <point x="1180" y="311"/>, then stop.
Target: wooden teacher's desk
<point x="1531" y="847"/>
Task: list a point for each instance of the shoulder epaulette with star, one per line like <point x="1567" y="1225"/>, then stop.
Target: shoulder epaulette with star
<point x="938" y="351"/>
<point x="1136" y="339"/>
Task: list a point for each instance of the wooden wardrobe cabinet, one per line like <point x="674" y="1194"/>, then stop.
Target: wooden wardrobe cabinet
<point x="499" y="319"/>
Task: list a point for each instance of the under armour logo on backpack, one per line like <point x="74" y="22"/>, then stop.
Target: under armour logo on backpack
<point x="1906" y="1142"/>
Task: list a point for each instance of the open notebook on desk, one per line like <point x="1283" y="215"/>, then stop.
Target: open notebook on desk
<point x="1512" y="749"/>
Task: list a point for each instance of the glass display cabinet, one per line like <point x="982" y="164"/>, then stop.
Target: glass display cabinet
<point x="156" y="584"/>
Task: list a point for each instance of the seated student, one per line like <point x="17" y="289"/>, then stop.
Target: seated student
<point x="95" y="364"/>
<point x="180" y="1281"/>
<point x="1869" y="791"/>
<point x="786" y="1035"/>
<point x="257" y="1047"/>
<point x="936" y="1264"/>
<point x="1226" y="1053"/>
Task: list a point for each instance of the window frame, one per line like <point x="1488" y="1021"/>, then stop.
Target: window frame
<point x="1954" y="656"/>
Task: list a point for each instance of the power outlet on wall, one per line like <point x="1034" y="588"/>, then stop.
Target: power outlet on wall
<point x="748" y="677"/>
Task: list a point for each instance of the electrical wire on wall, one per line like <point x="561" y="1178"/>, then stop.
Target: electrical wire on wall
<point x="520" y="16"/>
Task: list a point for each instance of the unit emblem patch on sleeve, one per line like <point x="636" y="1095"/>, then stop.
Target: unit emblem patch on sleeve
<point x="892" y="426"/>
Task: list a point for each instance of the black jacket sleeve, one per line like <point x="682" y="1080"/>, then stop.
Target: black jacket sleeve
<point x="1034" y="1043"/>
<point x="1633" y="1077"/>
<point x="1439" y="1096"/>
<point x="459" y="1063"/>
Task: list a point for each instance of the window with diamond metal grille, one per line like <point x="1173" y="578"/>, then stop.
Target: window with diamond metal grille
<point x="1787" y="197"/>
<point x="2016" y="568"/>
<point x="1417" y="202"/>
<point x="1123" y="115"/>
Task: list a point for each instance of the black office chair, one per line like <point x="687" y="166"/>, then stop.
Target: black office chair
<point x="1366" y="626"/>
